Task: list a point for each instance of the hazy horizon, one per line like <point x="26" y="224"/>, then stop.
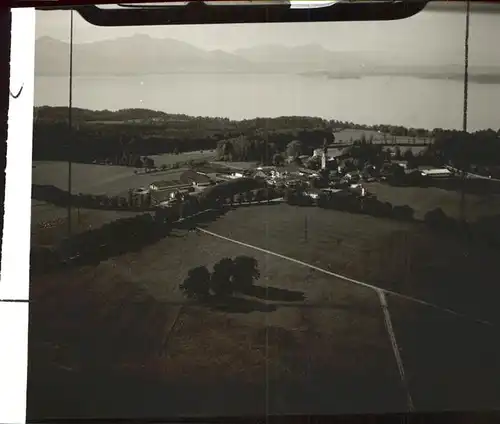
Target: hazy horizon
<point x="429" y="39"/>
<point x="408" y="41"/>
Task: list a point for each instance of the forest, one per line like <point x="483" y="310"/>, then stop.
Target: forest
<point x="122" y="137"/>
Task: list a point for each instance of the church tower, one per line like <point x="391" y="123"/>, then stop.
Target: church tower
<point x="324" y="155"/>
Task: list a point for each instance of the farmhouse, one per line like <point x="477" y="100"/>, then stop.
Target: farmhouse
<point x="437" y="173"/>
<point x="197" y="179"/>
<point x="228" y="176"/>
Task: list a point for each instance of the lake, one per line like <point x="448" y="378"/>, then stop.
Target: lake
<point x="407" y="101"/>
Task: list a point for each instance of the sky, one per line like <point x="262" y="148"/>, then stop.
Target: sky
<point x="431" y="37"/>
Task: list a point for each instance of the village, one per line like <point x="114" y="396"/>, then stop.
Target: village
<point x="333" y="180"/>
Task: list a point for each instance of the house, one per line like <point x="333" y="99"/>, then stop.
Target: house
<point x="195" y="178"/>
<point x="307" y="172"/>
<point x="332" y="191"/>
<point x="437" y="173"/>
<point x="228" y="176"/>
<point x="313" y="193"/>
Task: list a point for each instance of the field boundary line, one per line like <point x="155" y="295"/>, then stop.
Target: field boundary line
<point x="395" y="348"/>
<point x="349" y="279"/>
<point x="169" y="328"/>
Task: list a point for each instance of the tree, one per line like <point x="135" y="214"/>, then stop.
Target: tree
<point x="294" y="149"/>
<point x="403" y="213"/>
<point x="259" y="195"/>
<point x="249" y="196"/>
<point x="314" y="163"/>
<point x="408" y="155"/>
<point x="221" y="278"/>
<point x="148" y="162"/>
<point x="436" y="219"/>
<point x="245" y="271"/>
<point x="197" y="284"/>
<point x="138" y="163"/>
<point x="398" y="174"/>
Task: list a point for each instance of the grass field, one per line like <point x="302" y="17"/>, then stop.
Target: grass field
<point x="169" y="159"/>
<point x="100" y="179"/>
<point x="334" y="341"/>
<point x="123" y="328"/>
<point x="95" y="179"/>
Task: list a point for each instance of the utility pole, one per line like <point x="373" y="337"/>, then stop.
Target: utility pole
<point x="70" y="124"/>
<point x="466" y="105"/>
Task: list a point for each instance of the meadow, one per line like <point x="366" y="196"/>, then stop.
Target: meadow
<point x="305" y="342"/>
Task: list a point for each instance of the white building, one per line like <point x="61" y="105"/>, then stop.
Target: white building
<point x="437" y="173"/>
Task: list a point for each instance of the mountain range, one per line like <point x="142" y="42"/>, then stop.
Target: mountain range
<point x="142" y="55"/>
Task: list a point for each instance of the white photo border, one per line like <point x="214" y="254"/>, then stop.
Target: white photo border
<point x="14" y="283"/>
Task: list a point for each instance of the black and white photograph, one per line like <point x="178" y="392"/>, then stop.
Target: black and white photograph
<point x="265" y="219"/>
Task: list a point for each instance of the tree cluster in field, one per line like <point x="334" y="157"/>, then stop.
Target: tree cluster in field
<point x="348" y="202"/>
<point x="229" y="276"/>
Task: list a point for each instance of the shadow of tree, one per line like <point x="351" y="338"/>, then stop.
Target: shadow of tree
<point x="275" y="294"/>
<point x="233" y="304"/>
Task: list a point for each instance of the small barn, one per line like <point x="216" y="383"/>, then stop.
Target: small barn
<point x="195" y="178"/>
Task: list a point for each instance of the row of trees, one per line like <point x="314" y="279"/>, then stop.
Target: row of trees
<point x="58" y="197"/>
<point x="486" y="230"/>
<point x="133" y="233"/>
<point x="138" y="116"/>
<point x="348" y="202"/>
<point x="191" y="205"/>
<point x="92" y="246"/>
